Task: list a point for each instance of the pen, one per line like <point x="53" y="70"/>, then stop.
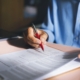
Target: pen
<point x="38" y="36"/>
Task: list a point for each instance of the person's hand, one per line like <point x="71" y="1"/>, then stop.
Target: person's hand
<point x="29" y="37"/>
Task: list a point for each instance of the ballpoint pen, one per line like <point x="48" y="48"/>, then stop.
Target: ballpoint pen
<point x="38" y="36"/>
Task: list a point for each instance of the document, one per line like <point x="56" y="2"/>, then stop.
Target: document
<point x="35" y="64"/>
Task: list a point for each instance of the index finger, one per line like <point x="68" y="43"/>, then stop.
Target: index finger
<point x="30" y="31"/>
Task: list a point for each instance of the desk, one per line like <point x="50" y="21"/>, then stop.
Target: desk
<point x="18" y="44"/>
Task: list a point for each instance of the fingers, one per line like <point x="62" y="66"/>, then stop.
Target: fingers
<point x="31" y="44"/>
<point x="30" y="38"/>
<point x="30" y="31"/>
<point x="43" y="37"/>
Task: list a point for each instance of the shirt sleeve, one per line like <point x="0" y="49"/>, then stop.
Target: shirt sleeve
<point x="48" y="25"/>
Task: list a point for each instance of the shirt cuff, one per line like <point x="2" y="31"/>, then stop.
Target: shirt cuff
<point x="50" y="36"/>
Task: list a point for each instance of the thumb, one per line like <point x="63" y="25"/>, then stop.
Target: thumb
<point x="43" y="38"/>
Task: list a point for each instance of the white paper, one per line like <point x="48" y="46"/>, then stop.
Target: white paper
<point x="73" y="64"/>
<point x="33" y="64"/>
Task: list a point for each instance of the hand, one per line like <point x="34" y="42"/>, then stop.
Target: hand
<point x="29" y="37"/>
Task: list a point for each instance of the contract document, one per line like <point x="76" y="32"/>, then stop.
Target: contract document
<point x="35" y="64"/>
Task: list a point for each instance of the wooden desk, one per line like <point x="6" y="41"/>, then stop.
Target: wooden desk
<point x="18" y="44"/>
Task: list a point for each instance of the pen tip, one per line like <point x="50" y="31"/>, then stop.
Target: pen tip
<point x="43" y="50"/>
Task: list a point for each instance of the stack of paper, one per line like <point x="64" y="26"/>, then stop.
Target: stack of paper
<point x="34" y="64"/>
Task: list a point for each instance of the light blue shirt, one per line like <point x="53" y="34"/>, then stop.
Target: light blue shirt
<point x="63" y="22"/>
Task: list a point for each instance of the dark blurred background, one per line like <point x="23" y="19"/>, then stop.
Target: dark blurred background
<point x="17" y="15"/>
<point x="41" y="6"/>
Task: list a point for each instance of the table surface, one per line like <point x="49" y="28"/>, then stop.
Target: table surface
<point x="7" y="46"/>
